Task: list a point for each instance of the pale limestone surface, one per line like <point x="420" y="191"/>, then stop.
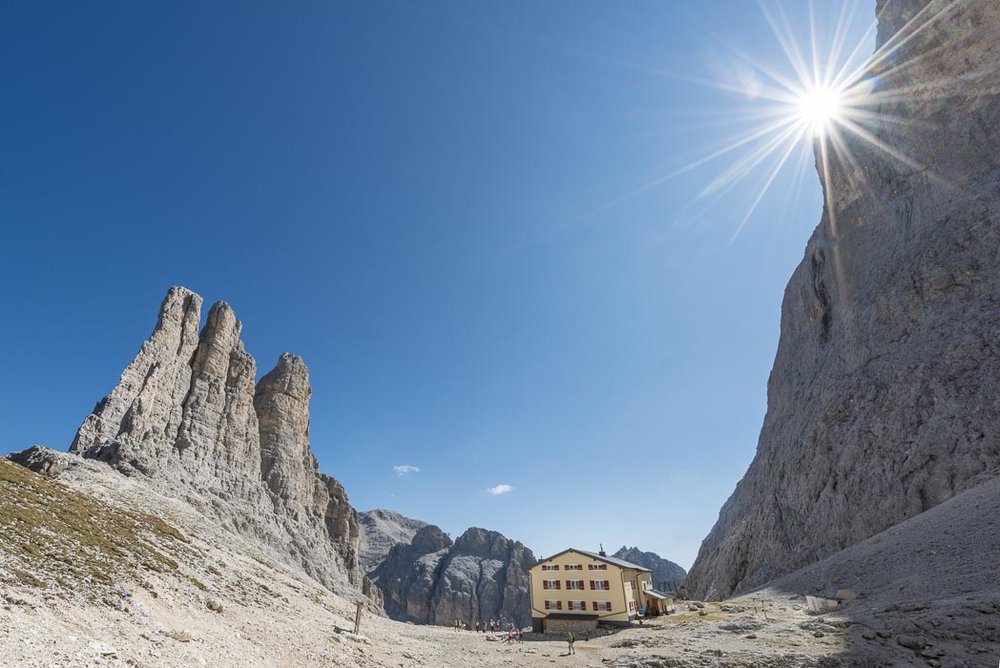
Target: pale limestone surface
<point x="884" y="399"/>
<point x="143" y="412"/>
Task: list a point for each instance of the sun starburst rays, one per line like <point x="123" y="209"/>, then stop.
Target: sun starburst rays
<point x="825" y="105"/>
<point x="830" y="100"/>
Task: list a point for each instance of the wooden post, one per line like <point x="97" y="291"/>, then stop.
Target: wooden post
<point x="357" y="618"/>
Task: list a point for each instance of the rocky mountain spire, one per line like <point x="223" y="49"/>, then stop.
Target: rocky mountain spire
<point x="136" y="426"/>
<point x="187" y="416"/>
<point x="288" y="467"/>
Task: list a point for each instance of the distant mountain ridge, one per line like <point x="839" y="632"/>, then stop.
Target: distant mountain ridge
<point x="480" y="576"/>
<point x="381" y="529"/>
<point x="667" y="576"/>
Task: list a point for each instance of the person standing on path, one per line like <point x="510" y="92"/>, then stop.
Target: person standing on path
<point x="569" y="641"/>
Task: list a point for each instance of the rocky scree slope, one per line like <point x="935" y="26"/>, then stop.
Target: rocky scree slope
<point x="480" y="576"/>
<point x="187" y="420"/>
<point x="667" y="575"/>
<point x="884" y="399"/>
<point x="88" y="577"/>
<point x="381" y="529"/>
<point x="927" y="588"/>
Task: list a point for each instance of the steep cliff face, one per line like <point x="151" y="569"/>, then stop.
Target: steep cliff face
<point x="667" y="575"/>
<point x="132" y="426"/>
<point x="381" y="529"/>
<point x="187" y="418"/>
<point x="480" y="576"/>
<point x="409" y="573"/>
<point x="883" y="399"/>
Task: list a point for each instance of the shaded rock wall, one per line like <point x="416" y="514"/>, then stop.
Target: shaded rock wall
<point x="481" y="576"/>
<point x="884" y="399"/>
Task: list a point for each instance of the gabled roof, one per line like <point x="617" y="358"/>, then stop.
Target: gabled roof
<point x="653" y="593"/>
<point x="620" y="563"/>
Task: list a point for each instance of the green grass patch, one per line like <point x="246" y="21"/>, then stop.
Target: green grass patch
<point x="56" y="534"/>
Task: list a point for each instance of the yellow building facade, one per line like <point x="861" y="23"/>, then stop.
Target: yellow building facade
<point x="577" y="589"/>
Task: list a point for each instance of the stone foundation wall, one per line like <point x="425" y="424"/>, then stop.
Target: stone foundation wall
<point x="563" y="626"/>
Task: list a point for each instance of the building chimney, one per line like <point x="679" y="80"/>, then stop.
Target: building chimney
<point x="602" y="552"/>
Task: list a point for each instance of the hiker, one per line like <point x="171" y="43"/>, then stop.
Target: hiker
<point x="569" y="641"/>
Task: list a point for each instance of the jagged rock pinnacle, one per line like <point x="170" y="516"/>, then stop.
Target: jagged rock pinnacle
<point x="187" y="417"/>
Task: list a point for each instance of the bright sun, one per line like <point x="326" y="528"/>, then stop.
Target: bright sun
<point x="819" y="108"/>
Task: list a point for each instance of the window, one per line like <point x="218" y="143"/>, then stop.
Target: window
<point x="574" y="567"/>
<point x="550" y="584"/>
<point x="600" y="584"/>
<point x="602" y="606"/>
<point x="550" y="567"/>
<point x="577" y="605"/>
<point x="597" y="567"/>
<point x="631" y="606"/>
<point x="553" y="605"/>
<point x="574" y="584"/>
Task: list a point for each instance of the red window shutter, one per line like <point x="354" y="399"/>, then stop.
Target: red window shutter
<point x="546" y="605"/>
<point x="592" y="586"/>
<point x="579" y="584"/>
<point x="545" y="584"/>
<point x="595" y="606"/>
<point x="607" y="584"/>
<point x="558" y="584"/>
<point x="558" y="605"/>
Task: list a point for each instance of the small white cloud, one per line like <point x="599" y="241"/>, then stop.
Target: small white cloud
<point x="497" y="490"/>
<point x="403" y="469"/>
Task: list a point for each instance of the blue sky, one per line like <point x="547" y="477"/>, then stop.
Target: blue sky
<point x="441" y="207"/>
